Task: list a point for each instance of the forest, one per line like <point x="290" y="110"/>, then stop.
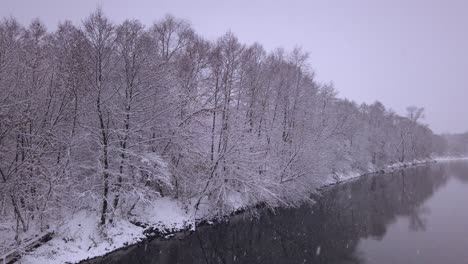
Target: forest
<point x="107" y="117"/>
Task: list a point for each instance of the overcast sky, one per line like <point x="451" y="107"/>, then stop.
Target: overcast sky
<point x="400" y="52"/>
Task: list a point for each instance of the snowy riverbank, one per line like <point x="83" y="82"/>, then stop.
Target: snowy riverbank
<point x="78" y="237"/>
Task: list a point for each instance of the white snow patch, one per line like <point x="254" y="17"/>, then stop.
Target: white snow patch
<point x="164" y="213"/>
<point x="81" y="238"/>
<point x="235" y="201"/>
<point x="351" y="174"/>
<point x="449" y="158"/>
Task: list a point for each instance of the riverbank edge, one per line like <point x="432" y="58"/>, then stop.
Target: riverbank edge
<point x="152" y="234"/>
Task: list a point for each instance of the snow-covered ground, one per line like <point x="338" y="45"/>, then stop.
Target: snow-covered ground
<point x="80" y="237"/>
<point x="450" y="158"/>
<point x="340" y="177"/>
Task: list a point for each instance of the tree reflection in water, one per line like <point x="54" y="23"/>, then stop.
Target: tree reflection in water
<point x="326" y="232"/>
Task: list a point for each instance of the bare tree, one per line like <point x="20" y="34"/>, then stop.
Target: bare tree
<point x="101" y="55"/>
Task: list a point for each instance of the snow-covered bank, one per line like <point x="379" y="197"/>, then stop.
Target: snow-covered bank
<point x="340" y="177"/>
<point x="79" y="238"/>
<point x="450" y="158"/>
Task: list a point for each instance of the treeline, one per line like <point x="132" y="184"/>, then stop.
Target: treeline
<point x="106" y="116"/>
<point x="455" y="145"/>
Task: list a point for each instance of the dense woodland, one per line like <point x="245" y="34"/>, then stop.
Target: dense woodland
<point x="105" y="116"/>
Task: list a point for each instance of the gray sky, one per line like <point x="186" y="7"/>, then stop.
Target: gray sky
<point x="400" y="52"/>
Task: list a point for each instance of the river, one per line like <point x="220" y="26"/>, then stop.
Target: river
<point x="415" y="215"/>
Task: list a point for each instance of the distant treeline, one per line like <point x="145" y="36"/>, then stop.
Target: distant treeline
<point x="455" y="145"/>
<point x="106" y="116"/>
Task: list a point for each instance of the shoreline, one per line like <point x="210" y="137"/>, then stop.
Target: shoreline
<point x="150" y="232"/>
<point x="315" y="195"/>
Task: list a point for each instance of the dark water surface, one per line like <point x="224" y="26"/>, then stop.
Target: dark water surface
<point x="416" y="215"/>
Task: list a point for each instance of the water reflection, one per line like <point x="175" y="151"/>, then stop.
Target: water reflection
<point x="344" y="226"/>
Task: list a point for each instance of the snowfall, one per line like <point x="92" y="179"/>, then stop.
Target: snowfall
<point x="78" y="237"/>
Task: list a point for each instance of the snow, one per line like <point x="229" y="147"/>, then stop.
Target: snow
<point x="411" y="163"/>
<point x="317" y="252"/>
<point x="81" y="238"/>
<point x="235" y="201"/>
<point x="7" y="235"/>
<point x="450" y="158"/>
<point x="165" y="214"/>
<point x="351" y="174"/>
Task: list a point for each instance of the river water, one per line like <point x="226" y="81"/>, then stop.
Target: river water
<point x="415" y="215"/>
